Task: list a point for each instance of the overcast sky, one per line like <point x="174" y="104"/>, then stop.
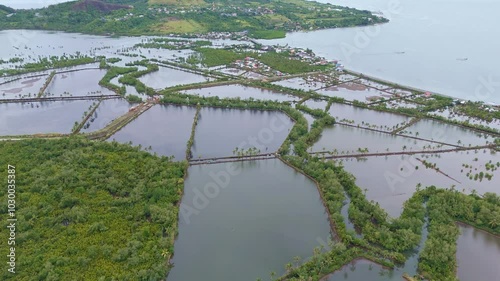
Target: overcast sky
<point x="30" y="4"/>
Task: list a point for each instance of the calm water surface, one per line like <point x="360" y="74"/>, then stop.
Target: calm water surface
<point x="168" y="77"/>
<point x="220" y="131"/>
<point x="366" y="117"/>
<point x="107" y="111"/>
<point x="361" y="270"/>
<point x="350" y="139"/>
<point x="478" y="254"/>
<point x="22" y="88"/>
<point x="259" y="220"/>
<point x="424" y="45"/>
<point x="392" y="180"/>
<point x="243" y="92"/>
<point x="438" y="131"/>
<point x="41" y="117"/>
<point x="78" y="83"/>
<point x="166" y="128"/>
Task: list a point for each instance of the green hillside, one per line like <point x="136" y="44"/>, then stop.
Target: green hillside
<point x="157" y="17"/>
<point x="6" y="10"/>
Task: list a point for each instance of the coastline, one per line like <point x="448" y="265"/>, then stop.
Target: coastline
<point x="378" y="79"/>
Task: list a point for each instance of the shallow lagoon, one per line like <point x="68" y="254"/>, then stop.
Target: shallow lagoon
<point x="220" y="131"/>
<point x="478" y="254"/>
<point x="107" y="111"/>
<point x="243" y="92"/>
<point x="22" y="88"/>
<point x="450" y="114"/>
<point x="316" y="104"/>
<point x="260" y="219"/>
<point x="77" y="83"/>
<point x="364" y="270"/>
<point x="166" y="128"/>
<point x="392" y="180"/>
<point x="169" y="77"/>
<point x="354" y="91"/>
<point x="366" y="117"/>
<point x="350" y="139"/>
<point x="438" y="131"/>
<point x="41" y="117"/>
<point x="300" y="84"/>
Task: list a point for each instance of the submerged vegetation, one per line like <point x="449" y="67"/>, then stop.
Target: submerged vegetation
<point x="172" y="44"/>
<point x="91" y="210"/>
<point x="49" y="63"/>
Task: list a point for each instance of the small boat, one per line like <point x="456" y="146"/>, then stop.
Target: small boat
<point x="462" y="59"/>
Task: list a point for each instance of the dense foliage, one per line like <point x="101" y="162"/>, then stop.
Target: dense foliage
<point x="114" y="72"/>
<point x="91" y="210"/>
<point x="438" y="259"/>
<point x="6" y="9"/>
<point x="130" y="78"/>
<point x="282" y="62"/>
<point x="264" y="19"/>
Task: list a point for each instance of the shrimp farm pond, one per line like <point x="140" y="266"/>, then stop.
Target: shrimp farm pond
<point x="287" y="167"/>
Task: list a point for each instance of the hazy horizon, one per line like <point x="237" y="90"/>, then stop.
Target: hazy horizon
<point x="30" y="4"/>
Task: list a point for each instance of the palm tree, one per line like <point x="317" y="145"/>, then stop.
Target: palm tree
<point x="494" y="222"/>
<point x="165" y="253"/>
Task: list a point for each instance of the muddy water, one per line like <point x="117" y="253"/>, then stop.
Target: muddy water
<point x="464" y="166"/>
<point x="22" y="88"/>
<point x="107" y="111"/>
<point x="166" y="128"/>
<point x="261" y="217"/>
<point x="435" y="130"/>
<point x="41" y="117"/>
<point x="350" y="139"/>
<point x="366" y="270"/>
<point x="316" y="104"/>
<point x="361" y="94"/>
<point x="450" y="114"/>
<point x="366" y="117"/>
<point x="220" y="131"/>
<point x="243" y="92"/>
<point x="168" y="77"/>
<point x="478" y="254"/>
<point x="310" y="119"/>
<point x="301" y="84"/>
<point x="78" y="83"/>
<point x="392" y="180"/>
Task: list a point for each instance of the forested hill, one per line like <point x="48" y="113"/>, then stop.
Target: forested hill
<point x="6" y="10"/>
<point x="262" y="18"/>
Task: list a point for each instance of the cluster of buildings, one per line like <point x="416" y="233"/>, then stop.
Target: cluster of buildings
<point x="175" y="43"/>
<point x="173" y="11"/>
<point x="304" y="55"/>
<point x="228" y="11"/>
<point x="237" y="10"/>
<point x="255" y="65"/>
<point x="125" y="17"/>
